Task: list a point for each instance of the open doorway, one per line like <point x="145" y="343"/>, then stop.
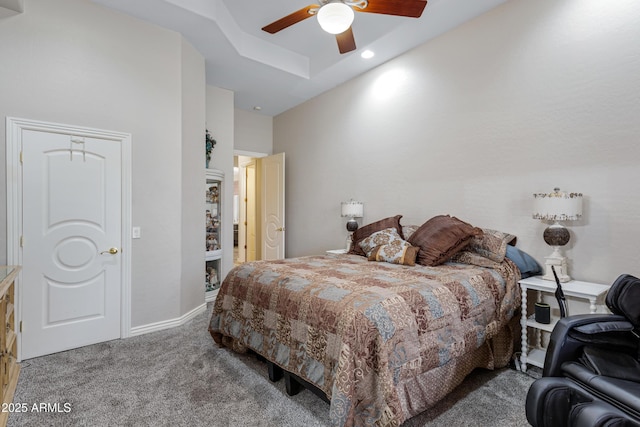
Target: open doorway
<point x="258" y="207"/>
<point x="245" y="237"/>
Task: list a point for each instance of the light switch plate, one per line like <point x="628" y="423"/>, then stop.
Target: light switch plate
<point x="135" y="232"/>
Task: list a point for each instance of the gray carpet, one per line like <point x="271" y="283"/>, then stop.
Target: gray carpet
<point x="179" y="377"/>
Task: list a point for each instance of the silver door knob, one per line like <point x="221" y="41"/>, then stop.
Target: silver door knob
<point x="111" y="251"/>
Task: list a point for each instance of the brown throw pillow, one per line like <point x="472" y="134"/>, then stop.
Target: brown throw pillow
<point x="442" y="237"/>
<point x="365" y="231"/>
<point x="492" y="244"/>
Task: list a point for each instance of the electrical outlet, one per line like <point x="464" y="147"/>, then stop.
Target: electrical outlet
<point x="135" y="232"/>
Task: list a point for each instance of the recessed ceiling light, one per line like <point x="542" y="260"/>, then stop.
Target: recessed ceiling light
<point x="367" y="54"/>
<point x="257" y="108"/>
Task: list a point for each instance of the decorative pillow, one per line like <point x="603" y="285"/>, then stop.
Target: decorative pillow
<point x="441" y="237"/>
<point x="388" y="236"/>
<point x="408" y="230"/>
<point x="492" y="244"/>
<point x="526" y="264"/>
<point x="403" y="253"/>
<point x="387" y="245"/>
<point x="365" y="231"/>
<point x="472" y="258"/>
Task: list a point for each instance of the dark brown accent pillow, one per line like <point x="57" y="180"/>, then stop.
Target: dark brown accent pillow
<point x="365" y="231"/>
<point x="442" y="237"/>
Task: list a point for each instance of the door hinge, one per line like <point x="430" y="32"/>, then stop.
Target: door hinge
<point x="21" y="326"/>
<point x="22" y="241"/>
<point x="20" y="157"/>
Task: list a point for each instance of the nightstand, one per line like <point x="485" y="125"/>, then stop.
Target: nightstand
<point x="337" y="251"/>
<point x="593" y="292"/>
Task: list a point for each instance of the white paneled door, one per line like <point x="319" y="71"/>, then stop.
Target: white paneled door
<point x="71" y="241"/>
<point x="272" y="204"/>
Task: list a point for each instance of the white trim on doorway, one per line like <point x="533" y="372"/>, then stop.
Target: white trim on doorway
<point x="249" y="153"/>
<point x="14" y="129"/>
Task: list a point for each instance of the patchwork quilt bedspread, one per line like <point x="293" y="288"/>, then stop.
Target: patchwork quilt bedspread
<point x="363" y="331"/>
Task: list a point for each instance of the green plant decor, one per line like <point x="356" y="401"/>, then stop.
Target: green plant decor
<point x="209" y="143"/>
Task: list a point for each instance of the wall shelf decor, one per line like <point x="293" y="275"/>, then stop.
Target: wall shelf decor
<point x="213" y="228"/>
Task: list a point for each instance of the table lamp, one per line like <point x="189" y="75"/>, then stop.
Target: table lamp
<point x="352" y="210"/>
<point x="557" y="206"/>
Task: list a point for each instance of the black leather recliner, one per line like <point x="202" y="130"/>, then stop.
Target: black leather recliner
<point x="591" y="374"/>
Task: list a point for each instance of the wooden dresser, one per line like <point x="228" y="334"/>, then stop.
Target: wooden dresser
<point x="9" y="368"/>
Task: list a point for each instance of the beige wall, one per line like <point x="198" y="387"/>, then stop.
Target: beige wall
<point x="220" y="122"/>
<point x="74" y="62"/>
<point x="529" y="96"/>
<point x="192" y="204"/>
<point x="253" y="132"/>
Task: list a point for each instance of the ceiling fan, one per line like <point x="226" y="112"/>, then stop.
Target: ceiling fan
<point x="336" y="16"/>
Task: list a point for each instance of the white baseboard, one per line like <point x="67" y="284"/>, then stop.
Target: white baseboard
<point x="211" y="295"/>
<point x="166" y="324"/>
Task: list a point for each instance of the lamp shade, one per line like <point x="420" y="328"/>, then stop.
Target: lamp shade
<point x="557" y="206"/>
<point x="335" y="18"/>
<point x="352" y="209"/>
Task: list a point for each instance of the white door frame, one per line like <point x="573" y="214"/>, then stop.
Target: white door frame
<point x="14" y="128"/>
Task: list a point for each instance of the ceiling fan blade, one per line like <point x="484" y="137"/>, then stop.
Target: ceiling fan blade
<point x="410" y="8"/>
<point x="346" y="42"/>
<point x="290" y="19"/>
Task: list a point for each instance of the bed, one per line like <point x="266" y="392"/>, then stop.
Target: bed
<point x="383" y="341"/>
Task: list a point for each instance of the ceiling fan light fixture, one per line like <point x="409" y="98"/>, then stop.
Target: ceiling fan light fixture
<point x="335" y="18"/>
